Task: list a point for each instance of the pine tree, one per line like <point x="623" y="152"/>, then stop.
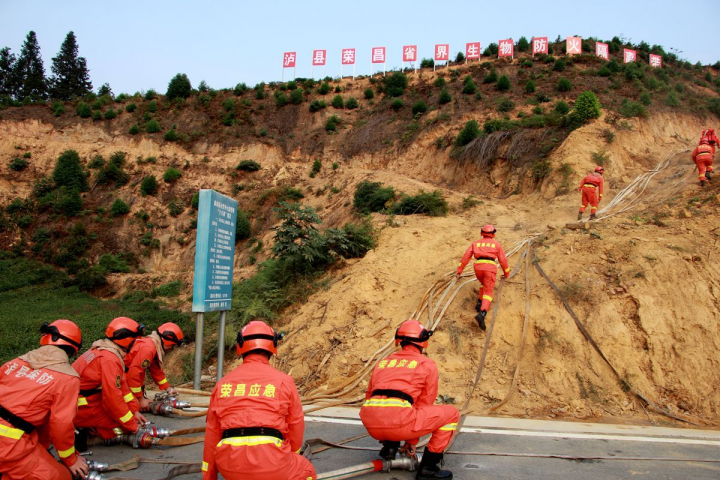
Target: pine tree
<point x="70" y="74"/>
<point x="7" y="74"/>
<point x="30" y="71"/>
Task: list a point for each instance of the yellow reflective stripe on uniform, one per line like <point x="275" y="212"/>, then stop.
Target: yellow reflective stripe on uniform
<point x="128" y="398"/>
<point x="590" y="185"/>
<point x="204" y="466"/>
<point x="66" y="453"/>
<point x="136" y="389"/>
<point x="507" y="269"/>
<point x="163" y="381"/>
<point x="126" y="418"/>
<point x="117" y="431"/>
<point x="487" y="297"/>
<point x="82" y="401"/>
<point x="9" y="432"/>
<point x="251" y="441"/>
<point x="387" y="402"/>
<point x="450" y="427"/>
<point x="459" y="264"/>
<point x="482" y="260"/>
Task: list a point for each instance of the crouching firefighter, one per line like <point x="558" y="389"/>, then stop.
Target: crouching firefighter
<point x="106" y="408"/>
<point x="147" y="353"/>
<point x="38" y="398"/>
<point x="255" y="420"/>
<point x="399" y="403"/>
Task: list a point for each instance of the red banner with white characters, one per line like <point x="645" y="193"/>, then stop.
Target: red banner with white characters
<point x="289" y="59"/>
<point x="574" y="46"/>
<point x="472" y="50"/>
<point x="629" y="55"/>
<point x="442" y="52"/>
<point x="378" y="55"/>
<point x="506" y="48"/>
<point x="319" y="57"/>
<point x="655" y="60"/>
<point x="539" y="45"/>
<point x="410" y="53"/>
<point x="602" y="50"/>
<point x="348" y="56"/>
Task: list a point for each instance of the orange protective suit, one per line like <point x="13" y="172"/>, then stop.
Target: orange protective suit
<point x="146" y="354"/>
<point x="255" y="395"/>
<point x="703" y="158"/>
<point x="105" y="403"/>
<point x="487" y="252"/>
<point x="591" y="186"/>
<point x="395" y="419"/>
<point x="41" y="388"/>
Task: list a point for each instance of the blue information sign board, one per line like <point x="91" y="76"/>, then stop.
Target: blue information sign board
<point x="214" y="252"/>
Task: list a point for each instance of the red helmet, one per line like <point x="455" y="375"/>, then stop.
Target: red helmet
<point x="257" y="335"/>
<point x="414" y="332"/>
<point x="124" y="331"/>
<point x="61" y="332"/>
<point x="599" y="169"/>
<point x="488" y="231"/>
<point x="704" y="141"/>
<point x="170" y="334"/>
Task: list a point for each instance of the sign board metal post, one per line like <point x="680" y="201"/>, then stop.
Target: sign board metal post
<point x="214" y="260"/>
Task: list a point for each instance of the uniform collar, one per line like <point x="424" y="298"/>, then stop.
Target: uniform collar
<point x="256" y="358"/>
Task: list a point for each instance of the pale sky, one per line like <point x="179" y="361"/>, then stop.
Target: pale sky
<point x="136" y="46"/>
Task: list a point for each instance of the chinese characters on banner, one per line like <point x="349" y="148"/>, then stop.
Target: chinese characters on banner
<point x="506" y="48"/>
<point x="539" y="45"/>
<point x="472" y="50"/>
<point x="347" y="58"/>
<point x="655" y="60"/>
<point x="574" y="45"/>
<point x="319" y="57"/>
<point x="378" y="56"/>
<point x="602" y="50"/>
<point x="289" y="60"/>
<point x="410" y="55"/>
<point x="629" y="55"/>
<point x="442" y="52"/>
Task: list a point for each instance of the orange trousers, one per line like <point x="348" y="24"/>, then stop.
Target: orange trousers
<point x="99" y="422"/>
<point x="399" y="424"/>
<point x="589" y="196"/>
<point x="704" y="164"/>
<point x="262" y="462"/>
<point x="487" y="279"/>
<point x="38" y="464"/>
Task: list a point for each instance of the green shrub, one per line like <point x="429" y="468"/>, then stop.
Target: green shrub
<point x="97" y="116"/>
<point x="427" y="63"/>
<point x="444" y="97"/>
<point x="432" y="204"/>
<point x="337" y="102"/>
<point x="541" y="168"/>
<point x="291" y="85"/>
<point x="114" y="263"/>
<point x="559" y="65"/>
<point x="243" y="229"/>
<point x="563" y="85"/>
<point x="498" y="125"/>
<point x="491" y="77"/>
<point x="315" y="168"/>
<point x="171" y="135"/>
<point x="18" y="164"/>
<point x="533" y="121"/>
<point x="562" y="107"/>
<point x="469" y="87"/>
<point x="171" y="175"/>
<point x="150" y="95"/>
<point x="419" y="107"/>
<point x="152" y="126"/>
<point x="604" y="71"/>
<point x="69" y="173"/>
<point x="324" y="88"/>
<point x="587" y="106"/>
<point x="148" y="186"/>
<point x="491" y="50"/>
<point x="351" y="103"/>
<point x="369" y="93"/>
<point x="280" y="99"/>
<point x="331" y="123"/>
<point x="175" y="208"/>
<point x="58" y="108"/>
<point x="372" y="196"/>
<point x="240" y="88"/>
<point x="505" y="105"/>
<point x="228" y="104"/>
<point x="248" y="166"/>
<point x="645" y="98"/>
<point x="439" y="82"/>
<point x="338" y="89"/>
<point x="671" y="100"/>
<point x="90" y="278"/>
<point x="395" y="84"/>
<point x="469" y="133"/>
<point x="98" y="105"/>
<point x="134" y="129"/>
<point x="110" y="114"/>
<point x="68" y="202"/>
<point x="317" y="105"/>
<point x="530" y="87"/>
<point x="629" y="109"/>
<point x="713" y="105"/>
<point x="119" y="208"/>
<point x="503" y="83"/>
<point x="83" y="110"/>
<point x="297" y="95"/>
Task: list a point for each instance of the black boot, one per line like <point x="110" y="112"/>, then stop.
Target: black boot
<point x="579" y="216"/>
<point x="592" y="216"/>
<point x="81" y="438"/>
<point x="480" y="317"/>
<point x="389" y="450"/>
<point x="428" y="468"/>
<point x="478" y="305"/>
<point x="708" y="175"/>
<point x="702" y="183"/>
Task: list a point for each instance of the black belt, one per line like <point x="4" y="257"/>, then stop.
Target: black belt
<point x="90" y="391"/>
<point x="485" y="258"/>
<point x="16" y="421"/>
<point x="252" y="432"/>
<point x="394" y="394"/>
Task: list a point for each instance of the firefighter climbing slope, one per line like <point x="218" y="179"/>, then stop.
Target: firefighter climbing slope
<point x="38" y="400"/>
<point x="147" y="353"/>
<point x="703" y="157"/>
<point x="106" y="407"/>
<point x="592" y="192"/>
<point x="255" y="420"/>
<point x="486" y="252"/>
<point x="399" y="403"/>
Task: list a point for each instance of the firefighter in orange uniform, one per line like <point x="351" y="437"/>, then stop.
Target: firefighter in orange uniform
<point x="709" y="135"/>
<point x="38" y="397"/>
<point x="399" y="403"/>
<point x="147" y="354"/>
<point x="106" y="407"/>
<point x="487" y="252"/>
<point x="255" y="420"/>
<point x="592" y="192"/>
<point x="703" y="158"/>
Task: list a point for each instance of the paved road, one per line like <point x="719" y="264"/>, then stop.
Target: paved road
<point x="490" y="435"/>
